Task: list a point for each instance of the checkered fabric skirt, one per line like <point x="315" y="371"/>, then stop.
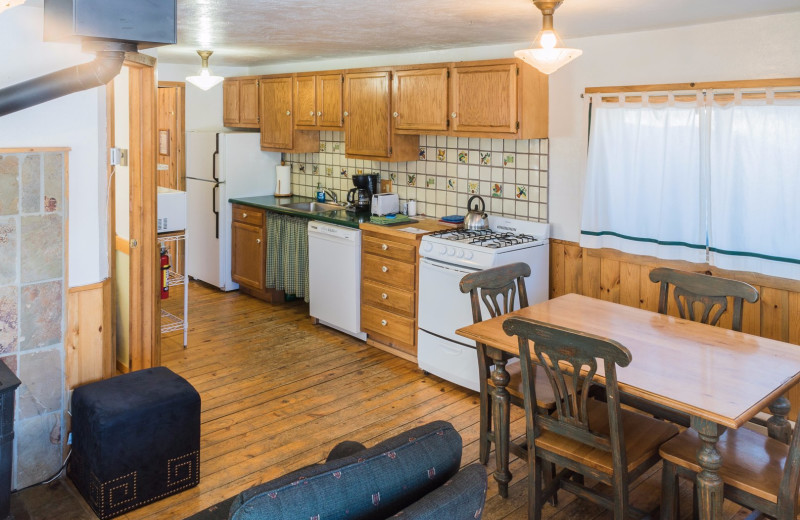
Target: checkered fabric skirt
<point x="287" y="254"/>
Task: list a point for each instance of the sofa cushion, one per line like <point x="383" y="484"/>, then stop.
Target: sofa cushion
<point x="460" y="498"/>
<point x="372" y="484"/>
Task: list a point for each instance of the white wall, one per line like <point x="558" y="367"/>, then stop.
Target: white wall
<point x="76" y="121"/>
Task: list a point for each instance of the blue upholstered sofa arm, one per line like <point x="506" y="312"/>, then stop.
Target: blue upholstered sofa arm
<point x="374" y="483"/>
<point x="460" y="498"/>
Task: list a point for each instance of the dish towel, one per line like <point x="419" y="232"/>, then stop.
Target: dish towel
<point x="382" y="221"/>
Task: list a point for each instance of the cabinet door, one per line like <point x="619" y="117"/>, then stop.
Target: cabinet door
<point x="230" y="106"/>
<point x="248" y="263"/>
<point x="484" y="99"/>
<point x="366" y="122"/>
<point x="248" y="102"/>
<point x="329" y="100"/>
<point x="305" y="101"/>
<point x="276" y="112"/>
<point x="420" y="100"/>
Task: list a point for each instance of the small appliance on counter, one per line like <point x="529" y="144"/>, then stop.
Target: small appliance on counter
<point x="366" y="185"/>
<point x="283" y="184"/>
<point x="385" y="204"/>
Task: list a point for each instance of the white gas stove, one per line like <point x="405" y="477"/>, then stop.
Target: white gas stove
<point x="447" y="257"/>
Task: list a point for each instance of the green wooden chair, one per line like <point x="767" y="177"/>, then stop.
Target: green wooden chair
<point x="585" y="437"/>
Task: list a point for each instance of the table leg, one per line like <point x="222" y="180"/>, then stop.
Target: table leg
<point x="709" y="483"/>
<point x="778" y="426"/>
<point x="502" y="421"/>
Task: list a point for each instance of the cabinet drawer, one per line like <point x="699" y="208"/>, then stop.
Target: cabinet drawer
<point x="388" y="324"/>
<point x="390" y="298"/>
<point x="387" y="248"/>
<point x="248" y="215"/>
<point x="389" y="271"/>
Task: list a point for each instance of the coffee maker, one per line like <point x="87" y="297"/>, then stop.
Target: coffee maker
<point x="360" y="197"/>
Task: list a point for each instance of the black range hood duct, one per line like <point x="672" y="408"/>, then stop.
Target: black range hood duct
<point x="109" y="28"/>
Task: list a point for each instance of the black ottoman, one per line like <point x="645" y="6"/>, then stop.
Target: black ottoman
<point x="135" y="439"/>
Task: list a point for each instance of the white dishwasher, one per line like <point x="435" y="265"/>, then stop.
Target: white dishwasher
<point x="334" y="276"/>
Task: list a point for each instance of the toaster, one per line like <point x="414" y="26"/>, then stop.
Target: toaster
<point x="385" y="203"/>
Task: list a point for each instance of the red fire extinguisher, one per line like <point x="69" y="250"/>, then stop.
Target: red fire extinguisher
<point x="164" y="273"/>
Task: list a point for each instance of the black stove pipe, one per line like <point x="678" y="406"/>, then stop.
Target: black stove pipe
<point x="103" y="69"/>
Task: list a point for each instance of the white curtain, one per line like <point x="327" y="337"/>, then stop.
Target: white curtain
<point x="644" y="192"/>
<point x="754" y="185"/>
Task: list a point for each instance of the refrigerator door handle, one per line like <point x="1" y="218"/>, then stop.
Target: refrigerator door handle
<point x="214" y="206"/>
<point x="214" y="161"/>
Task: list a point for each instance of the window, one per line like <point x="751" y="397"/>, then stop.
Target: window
<point x="707" y="176"/>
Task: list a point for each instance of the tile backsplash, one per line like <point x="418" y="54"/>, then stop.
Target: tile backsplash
<point x="510" y="175"/>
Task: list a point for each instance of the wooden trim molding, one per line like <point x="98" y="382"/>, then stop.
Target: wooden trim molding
<point x="750" y="83"/>
<point x="90" y="354"/>
<point x="35" y="150"/>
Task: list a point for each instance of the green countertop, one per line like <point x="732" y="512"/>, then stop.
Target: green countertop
<point x="276" y="204"/>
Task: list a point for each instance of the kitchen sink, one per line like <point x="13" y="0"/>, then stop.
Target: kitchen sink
<point x="312" y="207"/>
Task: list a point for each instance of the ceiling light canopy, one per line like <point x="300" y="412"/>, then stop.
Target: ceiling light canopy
<point x="205" y="80"/>
<point x="547" y="53"/>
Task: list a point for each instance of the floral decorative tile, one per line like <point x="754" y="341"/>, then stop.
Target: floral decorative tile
<point x="431" y="182"/>
<point x="359" y="172"/>
<point x="336" y="147"/>
<point x="343" y="173"/>
<point x="412" y="179"/>
<point x="441" y="153"/>
<point x="321" y="147"/>
<point x="497" y="190"/>
<point x="522" y="192"/>
<point x="473" y="186"/>
<point x="422" y="154"/>
<point x="393" y="177"/>
<point x="329" y="170"/>
<point x="451" y="184"/>
<point x="315" y="169"/>
<point x="302" y="168"/>
<point x="508" y="159"/>
<point x="462" y="157"/>
<point x="486" y="158"/>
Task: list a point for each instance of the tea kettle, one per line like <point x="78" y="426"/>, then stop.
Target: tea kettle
<point x="476" y="218"/>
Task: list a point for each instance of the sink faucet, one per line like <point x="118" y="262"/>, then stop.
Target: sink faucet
<point x="332" y="195"/>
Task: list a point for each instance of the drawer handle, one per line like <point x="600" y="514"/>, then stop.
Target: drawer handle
<point x="319" y="113"/>
<point x="384" y="269"/>
<point x="258" y="241"/>
<point x="453" y="115"/>
<point x="384" y="296"/>
<point x="384" y="322"/>
<point x="384" y="247"/>
<point x="395" y="114"/>
<point x="312" y="113"/>
<point x="244" y="215"/>
<point x="288" y="113"/>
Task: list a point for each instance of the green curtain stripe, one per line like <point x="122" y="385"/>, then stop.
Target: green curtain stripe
<point x="643" y="239"/>
<point x="692" y="246"/>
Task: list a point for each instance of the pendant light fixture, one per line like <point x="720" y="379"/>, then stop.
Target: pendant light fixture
<point x="547" y="53"/>
<point x="205" y="80"/>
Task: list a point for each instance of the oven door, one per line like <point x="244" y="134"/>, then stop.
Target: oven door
<point x="443" y="308"/>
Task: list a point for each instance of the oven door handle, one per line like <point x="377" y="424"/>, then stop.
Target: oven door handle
<point x="434" y="264"/>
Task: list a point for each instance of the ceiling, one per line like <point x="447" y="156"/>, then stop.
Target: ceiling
<point x="260" y="32"/>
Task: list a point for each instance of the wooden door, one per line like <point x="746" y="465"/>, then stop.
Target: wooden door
<point x="420" y="100"/>
<point x="305" y="101"/>
<point x="275" y="100"/>
<point x="171" y="115"/>
<point x="329" y="101"/>
<point x="484" y="99"/>
<point x="248" y="102"/>
<point x="230" y="102"/>
<point x="248" y="255"/>
<point x="367" y="106"/>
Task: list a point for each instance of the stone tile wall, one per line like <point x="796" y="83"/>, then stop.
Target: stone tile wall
<point x="32" y="296"/>
<point x="510" y="175"/>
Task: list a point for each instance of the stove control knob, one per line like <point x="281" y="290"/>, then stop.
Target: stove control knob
<point x="442" y="250"/>
<point x="450" y="251"/>
<point x="460" y="253"/>
<point x="468" y="255"/>
<point x="426" y="247"/>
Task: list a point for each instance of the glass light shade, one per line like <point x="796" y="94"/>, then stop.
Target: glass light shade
<point x="548" y="61"/>
<point x="205" y="80"/>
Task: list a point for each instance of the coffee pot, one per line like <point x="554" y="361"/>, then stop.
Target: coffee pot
<point x="359" y="198"/>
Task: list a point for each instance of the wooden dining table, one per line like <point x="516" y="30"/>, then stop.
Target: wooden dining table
<point x="720" y="377"/>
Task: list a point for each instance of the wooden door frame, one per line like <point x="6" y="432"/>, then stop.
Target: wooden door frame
<point x="180" y="131"/>
<point x="145" y="301"/>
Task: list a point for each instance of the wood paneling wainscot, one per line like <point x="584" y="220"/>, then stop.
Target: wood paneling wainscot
<point x="623" y="278"/>
<point x="90" y="354"/>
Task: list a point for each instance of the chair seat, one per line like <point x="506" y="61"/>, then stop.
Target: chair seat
<point x="750" y="461"/>
<point x="642" y="437"/>
<point x="544" y="392"/>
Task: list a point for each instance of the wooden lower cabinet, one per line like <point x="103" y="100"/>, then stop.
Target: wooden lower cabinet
<point x="249" y="252"/>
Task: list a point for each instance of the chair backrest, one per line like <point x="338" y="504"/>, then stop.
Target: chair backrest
<point x="497" y="288"/>
<point x="565" y="353"/>
<point x="788" y="494"/>
<point x="709" y="291"/>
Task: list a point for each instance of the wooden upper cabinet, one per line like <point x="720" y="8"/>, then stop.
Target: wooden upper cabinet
<point x="484" y="99"/>
<point x="367" y="107"/>
<point x="318" y="101"/>
<point x="276" y="113"/>
<point x="420" y="100"/>
<point x="240" y="102"/>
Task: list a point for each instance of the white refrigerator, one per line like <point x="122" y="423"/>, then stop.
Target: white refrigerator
<point x="220" y="166"/>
